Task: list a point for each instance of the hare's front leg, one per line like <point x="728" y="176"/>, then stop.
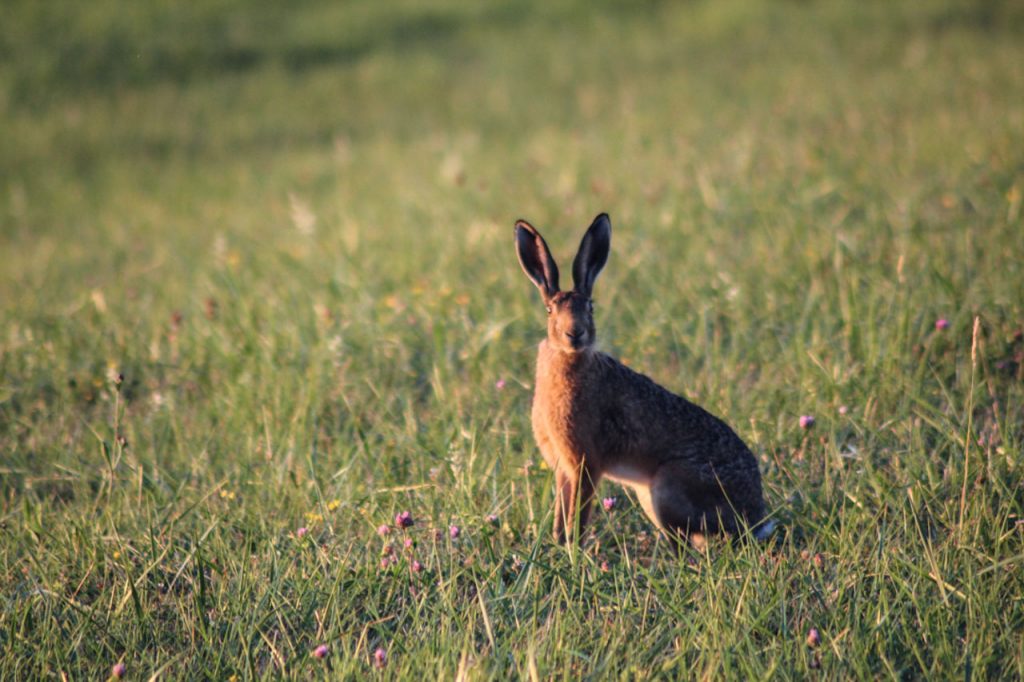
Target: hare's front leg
<point x="563" y="496"/>
<point x="574" y="498"/>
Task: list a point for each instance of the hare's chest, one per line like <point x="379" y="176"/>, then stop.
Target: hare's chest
<point x="563" y="436"/>
<point x="553" y="411"/>
<point x="555" y="423"/>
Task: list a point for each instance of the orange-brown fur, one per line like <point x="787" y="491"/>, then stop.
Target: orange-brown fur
<point x="594" y="417"/>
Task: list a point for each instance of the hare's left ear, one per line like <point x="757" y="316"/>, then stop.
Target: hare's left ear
<point x="535" y="257"/>
<point x="593" y="254"/>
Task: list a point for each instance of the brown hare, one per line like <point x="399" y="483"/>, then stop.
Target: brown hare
<point x="593" y="417"/>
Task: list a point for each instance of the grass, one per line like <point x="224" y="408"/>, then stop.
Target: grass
<point x="289" y="228"/>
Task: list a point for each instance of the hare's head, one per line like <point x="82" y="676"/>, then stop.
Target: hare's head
<point x="570" y="313"/>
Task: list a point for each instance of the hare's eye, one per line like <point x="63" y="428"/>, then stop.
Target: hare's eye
<point x="548" y="308"/>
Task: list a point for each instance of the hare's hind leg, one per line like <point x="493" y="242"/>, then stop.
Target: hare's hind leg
<point x="675" y="510"/>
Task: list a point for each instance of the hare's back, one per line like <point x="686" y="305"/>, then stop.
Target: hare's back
<point x="671" y="427"/>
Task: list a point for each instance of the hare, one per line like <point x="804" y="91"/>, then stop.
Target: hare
<point x="593" y="417"/>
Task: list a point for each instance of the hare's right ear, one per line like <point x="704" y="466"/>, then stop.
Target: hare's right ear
<point x="536" y="259"/>
<point x="593" y="254"/>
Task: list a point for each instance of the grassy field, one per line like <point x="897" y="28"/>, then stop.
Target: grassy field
<point x="258" y="295"/>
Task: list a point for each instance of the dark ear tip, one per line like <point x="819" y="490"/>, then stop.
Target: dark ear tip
<point x="522" y="224"/>
<point x="602" y="221"/>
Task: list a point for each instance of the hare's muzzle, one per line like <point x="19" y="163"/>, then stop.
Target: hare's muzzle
<point x="577" y="338"/>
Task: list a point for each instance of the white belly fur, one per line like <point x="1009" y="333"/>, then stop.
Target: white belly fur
<point x="640" y="483"/>
<point x="628" y="475"/>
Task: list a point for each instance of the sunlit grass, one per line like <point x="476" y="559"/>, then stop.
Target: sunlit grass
<point x="258" y="297"/>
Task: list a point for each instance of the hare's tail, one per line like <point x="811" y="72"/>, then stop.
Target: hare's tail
<point x="764" y="530"/>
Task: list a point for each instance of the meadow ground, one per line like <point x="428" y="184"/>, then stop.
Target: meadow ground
<point x="288" y="227"/>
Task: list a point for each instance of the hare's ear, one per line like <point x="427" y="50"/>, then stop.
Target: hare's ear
<point x="536" y="259"/>
<point x="593" y="254"/>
